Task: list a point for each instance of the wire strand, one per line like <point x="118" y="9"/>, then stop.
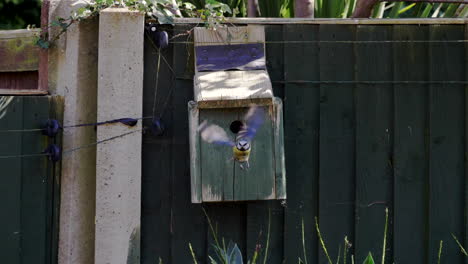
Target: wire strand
<point x="66" y="152"/>
<point x="461" y="41"/>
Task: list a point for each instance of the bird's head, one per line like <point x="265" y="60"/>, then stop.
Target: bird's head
<point x="243" y="145"/>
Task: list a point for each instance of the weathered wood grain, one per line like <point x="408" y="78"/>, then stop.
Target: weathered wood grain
<point x="374" y="141"/>
<point x="216" y="161"/>
<point x="18" y="50"/>
<point x="232" y="85"/>
<point x="410" y="147"/>
<point x="278" y="144"/>
<point x="229" y="35"/>
<point x="257" y="182"/>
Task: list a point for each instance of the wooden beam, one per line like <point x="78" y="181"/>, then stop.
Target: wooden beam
<point x="350" y="21"/>
<point x="18" y="50"/>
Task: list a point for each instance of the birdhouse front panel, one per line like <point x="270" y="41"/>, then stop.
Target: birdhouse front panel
<point x="222" y="178"/>
<point x="217" y="175"/>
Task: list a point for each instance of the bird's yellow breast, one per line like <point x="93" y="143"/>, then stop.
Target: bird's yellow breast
<point x="241" y="155"/>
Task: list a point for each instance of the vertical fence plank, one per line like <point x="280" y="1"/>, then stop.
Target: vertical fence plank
<point x="228" y="220"/>
<point x="410" y="146"/>
<point x="11" y="112"/>
<point x="446" y="176"/>
<point x="337" y="146"/>
<point x="466" y="142"/>
<point x="374" y="140"/>
<point x="301" y="121"/>
<point x="156" y="158"/>
<point x="34" y="183"/>
<point x="257" y="211"/>
<point x="54" y="180"/>
<point x="187" y="219"/>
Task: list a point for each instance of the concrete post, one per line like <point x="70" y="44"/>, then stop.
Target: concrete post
<point x="118" y="167"/>
<point x="72" y="73"/>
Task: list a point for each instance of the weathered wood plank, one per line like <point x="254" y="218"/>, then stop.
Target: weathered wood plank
<point x="466" y="143"/>
<point x="333" y="21"/>
<point x="195" y="153"/>
<point x="18" y="50"/>
<point x="238" y="103"/>
<point x="34" y="184"/>
<point x="216" y="161"/>
<point x="229" y="35"/>
<point x="374" y="141"/>
<point x="410" y="147"/>
<point x="244" y="57"/>
<point x="257" y="182"/>
<point x="188" y="224"/>
<point x="278" y="144"/>
<point x="18" y="82"/>
<point x="11" y="113"/>
<point x="156" y="189"/>
<point x="446" y="159"/>
<point x="232" y="85"/>
<point x="301" y="126"/>
<point x="337" y="139"/>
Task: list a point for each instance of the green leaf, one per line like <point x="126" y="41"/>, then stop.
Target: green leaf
<point x="369" y="259"/>
<point x="427" y="10"/>
<point x="42" y="43"/>
<point x="164" y="16"/>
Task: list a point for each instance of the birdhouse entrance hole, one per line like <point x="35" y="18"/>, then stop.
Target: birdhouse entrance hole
<point x="236" y="126"/>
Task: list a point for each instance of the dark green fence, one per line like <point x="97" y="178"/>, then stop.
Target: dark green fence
<point x="29" y="185"/>
<point x="375" y="117"/>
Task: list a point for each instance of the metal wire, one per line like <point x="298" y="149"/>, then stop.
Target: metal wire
<point x="65" y="152"/>
<point x="24" y="156"/>
<point x="460" y="41"/>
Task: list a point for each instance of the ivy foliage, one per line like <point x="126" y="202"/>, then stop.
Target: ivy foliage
<point x="162" y="11"/>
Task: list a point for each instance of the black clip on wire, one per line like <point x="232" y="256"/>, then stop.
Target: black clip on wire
<point x="51" y="128"/>
<point x="159" y="38"/>
<point x="53" y="152"/>
<point x="157" y="127"/>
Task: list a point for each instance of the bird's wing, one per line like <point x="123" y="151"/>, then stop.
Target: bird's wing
<point x="254" y="119"/>
<point x="214" y="134"/>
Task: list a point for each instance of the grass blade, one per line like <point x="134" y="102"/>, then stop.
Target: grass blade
<point x="385" y="236"/>
<point x="322" y="243"/>
<point x="440" y="252"/>
<point x="303" y="242"/>
<point x="191" y="252"/>
<point x="460" y="245"/>
<point x="268" y="237"/>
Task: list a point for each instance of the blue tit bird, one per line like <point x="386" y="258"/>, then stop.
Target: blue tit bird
<point x="242" y="146"/>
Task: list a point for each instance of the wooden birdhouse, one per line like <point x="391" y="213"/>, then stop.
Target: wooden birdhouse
<point x="230" y="77"/>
